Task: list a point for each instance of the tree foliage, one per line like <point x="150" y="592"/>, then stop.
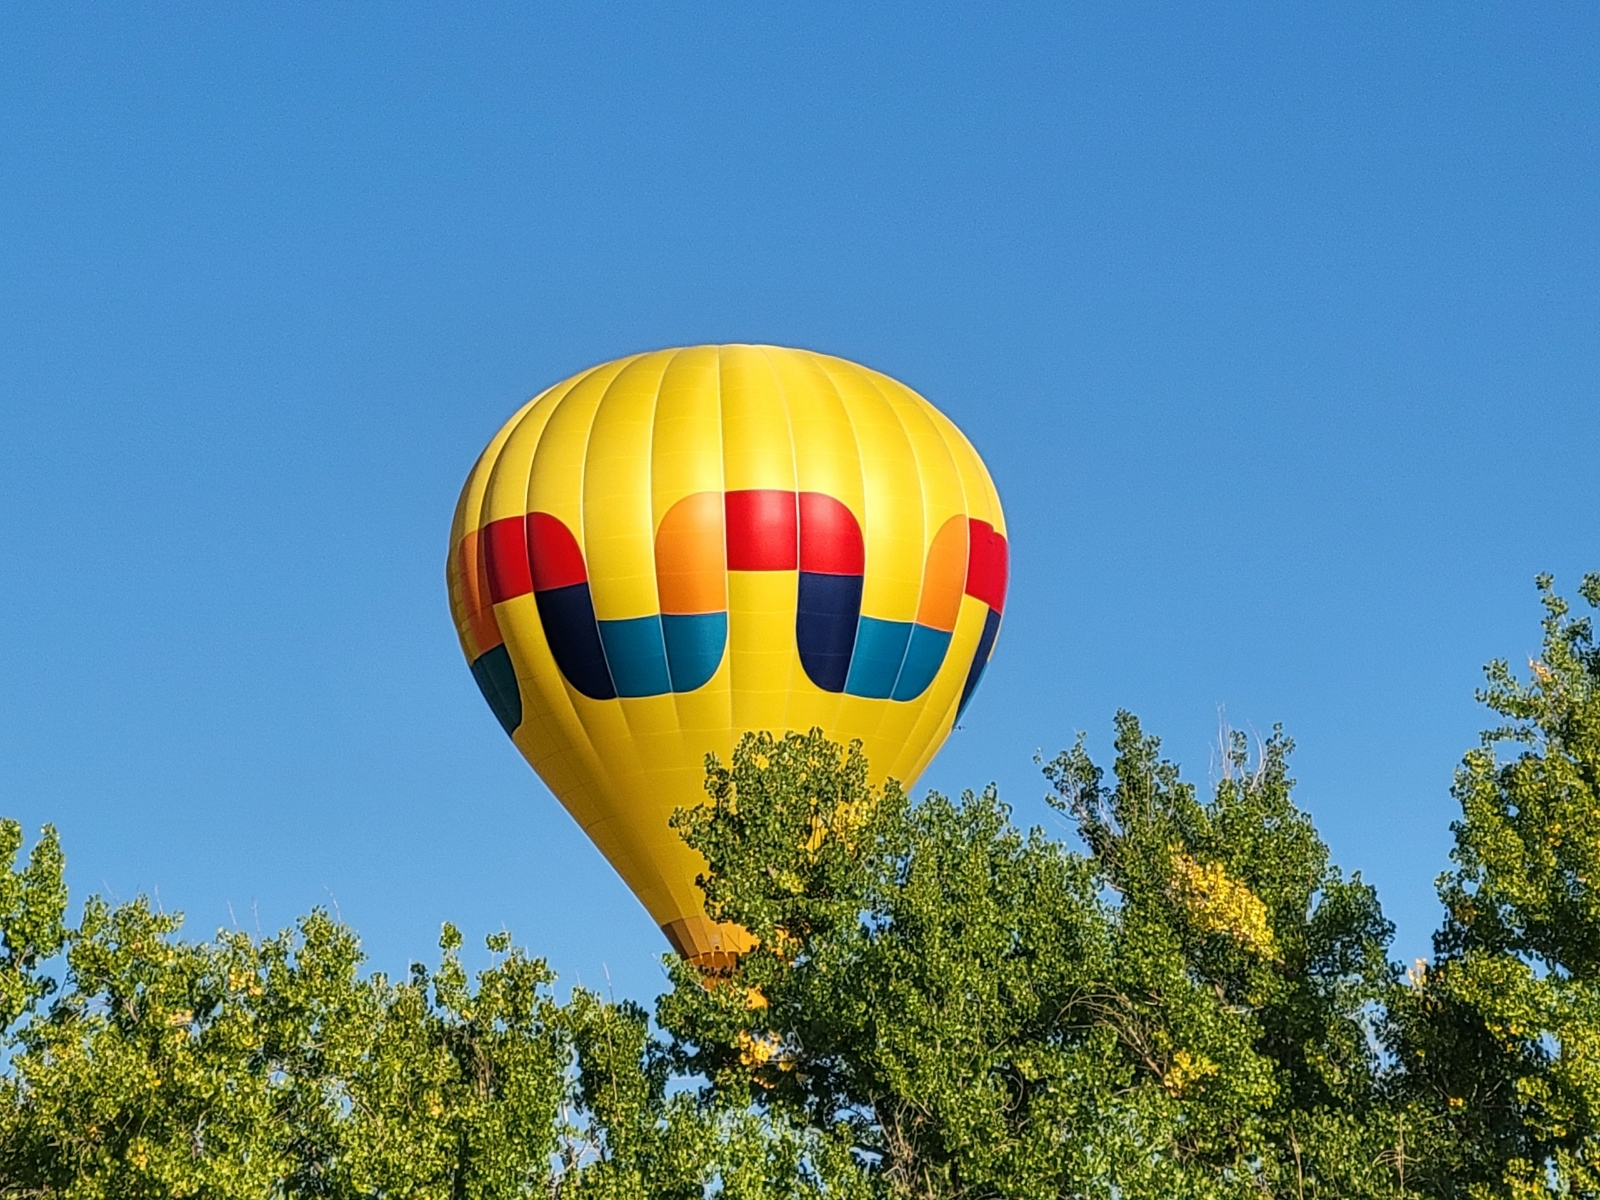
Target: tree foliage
<point x="1185" y="1010"/>
<point x="1499" y="1038"/>
<point x="257" y="1068"/>
<point x="1183" y="997"/>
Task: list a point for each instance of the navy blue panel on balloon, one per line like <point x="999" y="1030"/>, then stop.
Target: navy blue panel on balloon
<point x="980" y="659"/>
<point x="875" y="664"/>
<point x="924" y="657"/>
<point x="695" y="642"/>
<point x="825" y="626"/>
<point x="574" y="637"/>
<point x="636" y="655"/>
<point x="497" y="680"/>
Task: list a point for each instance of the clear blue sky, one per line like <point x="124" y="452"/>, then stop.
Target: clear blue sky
<point x="1278" y="326"/>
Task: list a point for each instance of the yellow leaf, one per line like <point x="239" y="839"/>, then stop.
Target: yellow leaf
<point x="1219" y="904"/>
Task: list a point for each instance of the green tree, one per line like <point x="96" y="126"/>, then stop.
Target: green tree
<point x="33" y="903"/>
<point x="1253" y="966"/>
<point x="1186" y="999"/>
<point x="1499" y="1038"/>
<point x="244" y="1068"/>
<point x="1183" y="1011"/>
<point x="274" y="1068"/>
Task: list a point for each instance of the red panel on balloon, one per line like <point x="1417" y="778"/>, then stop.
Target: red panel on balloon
<point x="554" y="554"/>
<point x="761" y="530"/>
<point x="830" y="537"/>
<point x="987" y="566"/>
<point x="505" y="551"/>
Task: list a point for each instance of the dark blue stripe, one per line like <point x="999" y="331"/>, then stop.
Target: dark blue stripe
<point x="980" y="659"/>
<point x="825" y="626"/>
<point x="924" y="657"/>
<point x="880" y="649"/>
<point x="497" y="680"/>
<point x="636" y="655"/>
<point x="569" y="627"/>
<point x="695" y="643"/>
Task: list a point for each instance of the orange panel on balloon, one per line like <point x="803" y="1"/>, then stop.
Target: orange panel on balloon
<point x="945" y="576"/>
<point x="476" y="607"/>
<point x="690" y="570"/>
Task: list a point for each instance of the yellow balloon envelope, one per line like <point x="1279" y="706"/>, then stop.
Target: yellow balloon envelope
<point x="670" y="550"/>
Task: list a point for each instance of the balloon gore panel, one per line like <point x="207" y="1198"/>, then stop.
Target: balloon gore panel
<point x="694" y="647"/>
<point x="554" y="559"/>
<point x="574" y="636"/>
<point x="826" y="618"/>
<point x="987" y="571"/>
<point x="497" y="680"/>
<point x="505" y="553"/>
<point x="880" y="649"/>
<point x="691" y="564"/>
<point x="481" y="631"/>
<point x="944" y="579"/>
<point x="830" y="537"/>
<point x="762" y="531"/>
<point x="699" y="540"/>
<point x="637" y="656"/>
<point x="980" y="659"/>
<point x="987" y="566"/>
<point x="924" y="656"/>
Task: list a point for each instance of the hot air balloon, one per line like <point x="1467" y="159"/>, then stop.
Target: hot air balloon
<point x="670" y="550"/>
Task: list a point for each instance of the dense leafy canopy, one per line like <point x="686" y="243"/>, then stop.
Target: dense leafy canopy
<point x="1186" y="999"/>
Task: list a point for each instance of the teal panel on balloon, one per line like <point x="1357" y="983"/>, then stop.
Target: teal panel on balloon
<point x="875" y="665"/>
<point x="637" y="656"/>
<point x="695" y="643"/>
<point x="924" y="657"/>
<point x="497" y="680"/>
